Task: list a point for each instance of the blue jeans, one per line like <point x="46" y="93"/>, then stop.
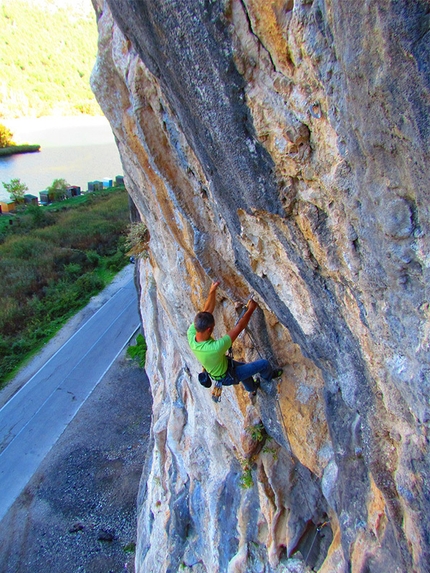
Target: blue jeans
<point x="243" y="372"/>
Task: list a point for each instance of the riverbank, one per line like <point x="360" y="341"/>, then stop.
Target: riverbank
<point x="78" y="149"/>
<point x="15" y="149"/>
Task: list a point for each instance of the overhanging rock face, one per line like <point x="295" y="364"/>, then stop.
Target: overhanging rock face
<point x="282" y="148"/>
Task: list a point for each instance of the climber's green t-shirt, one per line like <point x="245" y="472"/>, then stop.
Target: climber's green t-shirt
<point x="210" y="353"/>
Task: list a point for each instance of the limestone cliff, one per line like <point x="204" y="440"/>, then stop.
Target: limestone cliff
<point x="281" y="147"/>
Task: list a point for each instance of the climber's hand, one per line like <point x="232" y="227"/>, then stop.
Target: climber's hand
<point x="210" y="301"/>
<point x="214" y="286"/>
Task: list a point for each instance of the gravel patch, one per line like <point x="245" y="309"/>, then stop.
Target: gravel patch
<point x="78" y="513"/>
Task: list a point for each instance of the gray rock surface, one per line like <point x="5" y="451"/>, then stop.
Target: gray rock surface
<point x="282" y="148"/>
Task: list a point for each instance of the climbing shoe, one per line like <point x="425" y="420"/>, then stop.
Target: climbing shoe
<point x="216" y="392"/>
<point x="257" y="386"/>
<point x="277" y="373"/>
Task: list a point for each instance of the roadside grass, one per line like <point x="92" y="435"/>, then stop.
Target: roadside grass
<point x="52" y="261"/>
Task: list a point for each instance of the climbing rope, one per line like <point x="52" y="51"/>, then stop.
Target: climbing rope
<point x="281" y="417"/>
<point x="318" y="530"/>
<point x="278" y="406"/>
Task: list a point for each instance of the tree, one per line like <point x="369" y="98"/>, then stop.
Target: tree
<point x="16" y="190"/>
<point x="6" y="136"/>
<point x="57" y="191"/>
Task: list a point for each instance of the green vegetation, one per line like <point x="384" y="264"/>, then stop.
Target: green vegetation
<point x="16" y="189"/>
<point x="272" y="450"/>
<point x="6" y="136"/>
<point x="47" y="51"/>
<point x="130" y="547"/>
<point x="257" y="432"/>
<point x="7" y="145"/>
<point x="246" y="481"/>
<point x="137" y="240"/>
<point x="11" y="150"/>
<point x="52" y="261"/>
<point x="138" y="351"/>
<point x="57" y="191"/>
<point x="4" y="223"/>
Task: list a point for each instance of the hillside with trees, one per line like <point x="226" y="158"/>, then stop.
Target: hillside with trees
<point x="47" y="51"/>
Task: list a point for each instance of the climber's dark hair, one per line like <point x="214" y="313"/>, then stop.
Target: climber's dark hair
<point x="203" y="321"/>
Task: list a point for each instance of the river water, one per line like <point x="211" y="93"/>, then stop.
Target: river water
<point x="77" y="149"/>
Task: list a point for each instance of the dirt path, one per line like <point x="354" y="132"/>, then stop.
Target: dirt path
<point x="78" y="513"/>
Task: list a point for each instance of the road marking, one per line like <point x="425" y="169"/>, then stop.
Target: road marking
<point x="35" y="417"/>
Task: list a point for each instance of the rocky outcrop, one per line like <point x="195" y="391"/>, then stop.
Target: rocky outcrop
<point x="282" y="148"/>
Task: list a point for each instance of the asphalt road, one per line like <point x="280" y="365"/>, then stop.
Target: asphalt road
<point x="34" y="417"/>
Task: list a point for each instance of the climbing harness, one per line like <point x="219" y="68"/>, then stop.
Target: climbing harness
<point x="217" y="390"/>
<point x="228" y="379"/>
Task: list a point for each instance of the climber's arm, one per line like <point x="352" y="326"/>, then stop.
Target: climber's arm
<point x="211" y="300"/>
<point x="243" y="322"/>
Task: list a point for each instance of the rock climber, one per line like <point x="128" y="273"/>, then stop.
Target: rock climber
<point x="211" y="353"/>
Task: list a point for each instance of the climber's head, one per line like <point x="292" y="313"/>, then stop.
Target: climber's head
<point x="204" y="321"/>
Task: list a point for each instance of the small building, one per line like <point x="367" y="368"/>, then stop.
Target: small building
<point x="44" y="197"/>
<point x="73" y="191"/>
<point x="95" y="186"/>
<point x="107" y="183"/>
<point x="31" y="200"/>
<point x="7" y="206"/>
<point x="119" y="180"/>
